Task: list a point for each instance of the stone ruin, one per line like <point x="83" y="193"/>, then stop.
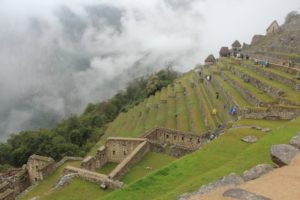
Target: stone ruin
<point x="128" y="151"/>
<point x="15" y="181"/>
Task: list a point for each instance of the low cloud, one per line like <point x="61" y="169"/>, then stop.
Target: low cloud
<point x="56" y="59"/>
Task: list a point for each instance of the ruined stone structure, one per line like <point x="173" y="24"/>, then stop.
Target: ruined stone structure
<point x="273" y="28"/>
<point x="39" y="167"/>
<point x="93" y="177"/>
<point x="128" y="151"/>
<point x="13" y="183"/>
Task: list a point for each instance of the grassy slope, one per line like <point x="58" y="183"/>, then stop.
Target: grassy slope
<point x="47" y="184"/>
<point x="222" y="156"/>
<point x="152" y="160"/>
<point x="290" y="92"/>
<point x="77" y="190"/>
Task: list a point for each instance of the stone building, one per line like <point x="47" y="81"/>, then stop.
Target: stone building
<point x="210" y="60"/>
<point x="236" y="48"/>
<point x="273" y="28"/>
<point x="224" y="52"/>
<point x="39" y="167"/>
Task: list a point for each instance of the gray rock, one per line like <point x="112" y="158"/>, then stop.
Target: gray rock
<point x="64" y="180"/>
<point x="249" y="139"/>
<point x="266" y="130"/>
<point x="256" y="171"/>
<point x="231" y="179"/>
<point x="295" y="141"/>
<point x="256" y="127"/>
<point x="282" y="154"/>
<point x="241" y="194"/>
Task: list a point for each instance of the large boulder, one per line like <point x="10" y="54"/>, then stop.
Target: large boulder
<point x="249" y="139"/>
<point x="282" y="154"/>
<point x="256" y="171"/>
<point x="295" y="141"/>
<point x="241" y="194"/>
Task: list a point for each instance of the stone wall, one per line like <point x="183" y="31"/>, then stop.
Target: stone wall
<point x="180" y="139"/>
<point x="65" y="159"/>
<point x="93" y="177"/>
<point x="39" y="167"/>
<point x="225" y="95"/>
<point x="272" y="113"/>
<point x="272" y="76"/>
<point x="273" y="92"/>
<point x="244" y="92"/>
<point x="130" y="160"/>
<point x="7" y="195"/>
<point x="117" y="148"/>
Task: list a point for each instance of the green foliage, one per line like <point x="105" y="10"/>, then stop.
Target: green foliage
<point x="76" y="135"/>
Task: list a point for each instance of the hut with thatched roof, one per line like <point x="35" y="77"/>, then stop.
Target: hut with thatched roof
<point x="236" y="44"/>
<point x="236" y="48"/>
<point x="210" y="60"/>
<point x="224" y="52"/>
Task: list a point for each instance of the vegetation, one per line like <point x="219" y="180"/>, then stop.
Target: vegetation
<point x="222" y="156"/>
<point x="76" y="135"/>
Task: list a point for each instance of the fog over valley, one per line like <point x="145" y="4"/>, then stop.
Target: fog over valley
<point x="57" y="56"/>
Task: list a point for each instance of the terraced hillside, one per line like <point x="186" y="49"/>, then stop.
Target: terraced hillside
<point x="187" y="105"/>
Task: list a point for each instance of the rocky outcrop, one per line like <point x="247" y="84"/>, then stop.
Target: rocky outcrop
<point x="295" y="141"/>
<point x="256" y="172"/>
<point x="282" y="154"/>
<point x="241" y="194"/>
<point x="249" y="139"/>
<point x="230" y="180"/>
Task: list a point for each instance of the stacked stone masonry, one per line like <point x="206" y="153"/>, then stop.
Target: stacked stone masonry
<point x="93" y="177"/>
<point x="130" y="160"/>
<point x="272" y="76"/>
<point x="244" y="92"/>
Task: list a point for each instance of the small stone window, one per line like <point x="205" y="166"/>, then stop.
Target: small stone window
<point x="114" y="152"/>
<point x="182" y="138"/>
<point x="191" y="139"/>
<point x="174" y="137"/>
<point x="167" y="136"/>
<point x="36" y="167"/>
<point x="35" y="179"/>
<point x="124" y="153"/>
<point x="198" y="141"/>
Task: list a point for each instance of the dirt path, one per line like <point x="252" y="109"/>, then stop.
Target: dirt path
<point x="280" y="184"/>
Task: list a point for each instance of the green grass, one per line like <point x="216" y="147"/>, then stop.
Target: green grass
<point x="222" y="156"/>
<point x="107" y="168"/>
<point x="233" y="92"/>
<point x="183" y="123"/>
<point x="162" y="109"/>
<point x="290" y="93"/>
<point x="44" y="186"/>
<point x="152" y="160"/>
<point x="260" y="95"/>
<point x="77" y="190"/>
<point x="171" y="108"/>
<point x="193" y="107"/>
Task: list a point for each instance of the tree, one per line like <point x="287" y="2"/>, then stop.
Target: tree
<point x="153" y="85"/>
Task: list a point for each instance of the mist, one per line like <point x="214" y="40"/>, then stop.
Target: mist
<point x="57" y="56"/>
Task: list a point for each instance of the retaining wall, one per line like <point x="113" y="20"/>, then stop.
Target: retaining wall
<point x="244" y="92"/>
<point x="272" y="113"/>
<point x="270" y="75"/>
<point x="130" y="160"/>
<point x="180" y="139"/>
<point x="93" y="177"/>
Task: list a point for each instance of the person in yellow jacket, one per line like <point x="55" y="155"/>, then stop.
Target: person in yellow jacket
<point x="214" y="111"/>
